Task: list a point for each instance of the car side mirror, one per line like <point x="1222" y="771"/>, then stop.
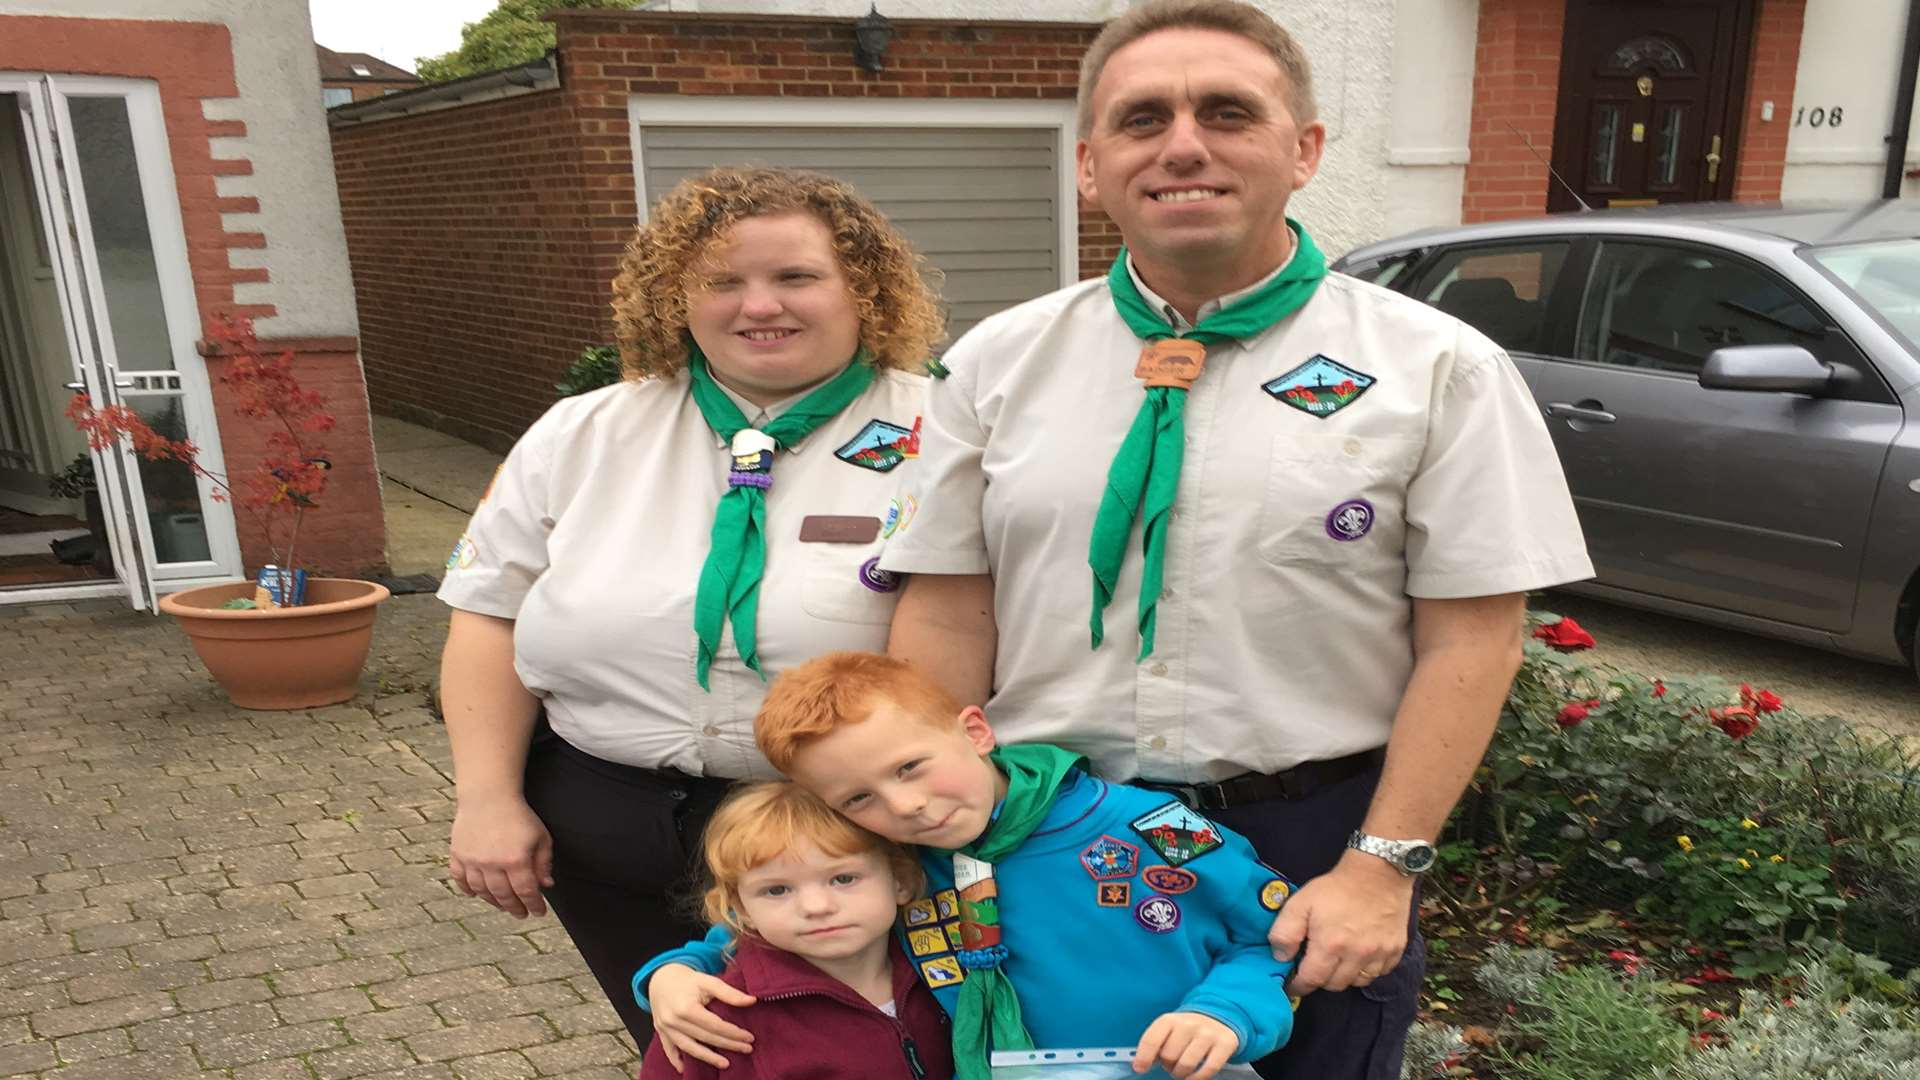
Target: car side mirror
<point x="1778" y="368"/>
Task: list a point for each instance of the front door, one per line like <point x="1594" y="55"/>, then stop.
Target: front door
<point x="1650" y="97"/>
<point x="98" y="184"/>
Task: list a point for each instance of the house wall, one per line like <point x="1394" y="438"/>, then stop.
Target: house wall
<point x="257" y="202"/>
<point x="1850" y="61"/>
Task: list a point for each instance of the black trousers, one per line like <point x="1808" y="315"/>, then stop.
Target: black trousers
<point x="1354" y="1034"/>
<point x="626" y="853"/>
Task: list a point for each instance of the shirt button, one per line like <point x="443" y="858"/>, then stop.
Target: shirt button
<point x="1352" y="447"/>
<point x="711" y="730"/>
<point x="1157" y="669"/>
<point x="1158" y="742"/>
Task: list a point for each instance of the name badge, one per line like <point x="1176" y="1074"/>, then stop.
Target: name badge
<point x="838" y="529"/>
<point x="1173" y="362"/>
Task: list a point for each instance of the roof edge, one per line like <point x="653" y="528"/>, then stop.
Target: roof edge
<point x="528" y="78"/>
<point x="764" y="18"/>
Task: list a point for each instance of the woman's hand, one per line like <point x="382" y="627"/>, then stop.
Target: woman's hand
<point x="502" y="853"/>
<point x="679" y="996"/>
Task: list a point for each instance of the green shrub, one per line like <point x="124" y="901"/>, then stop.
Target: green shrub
<point x="595" y="367"/>
<point x="1591" y="1025"/>
<point x="1594" y="775"/>
<point x="1821" y="1032"/>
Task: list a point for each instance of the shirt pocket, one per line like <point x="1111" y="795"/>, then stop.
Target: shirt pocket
<point x="844" y="583"/>
<point x="1334" y="500"/>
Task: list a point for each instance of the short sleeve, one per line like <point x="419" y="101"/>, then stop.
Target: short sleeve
<point x="1488" y="511"/>
<point x="504" y="549"/>
<point x="939" y="530"/>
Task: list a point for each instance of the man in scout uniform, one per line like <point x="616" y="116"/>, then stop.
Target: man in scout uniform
<point x="1230" y="524"/>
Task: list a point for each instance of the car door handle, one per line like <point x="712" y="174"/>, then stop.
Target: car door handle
<point x="1561" y="410"/>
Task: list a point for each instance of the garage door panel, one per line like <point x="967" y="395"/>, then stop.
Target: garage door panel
<point x="982" y="204"/>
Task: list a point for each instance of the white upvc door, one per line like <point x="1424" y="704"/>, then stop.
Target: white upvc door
<point x="105" y="191"/>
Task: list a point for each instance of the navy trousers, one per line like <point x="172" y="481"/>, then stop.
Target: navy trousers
<point x="1354" y="1034"/>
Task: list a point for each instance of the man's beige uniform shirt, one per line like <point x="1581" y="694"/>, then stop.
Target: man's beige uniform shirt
<point x="592" y="539"/>
<point x="1277" y="641"/>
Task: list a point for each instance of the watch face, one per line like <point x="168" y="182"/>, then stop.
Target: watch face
<point x="1418" y="859"/>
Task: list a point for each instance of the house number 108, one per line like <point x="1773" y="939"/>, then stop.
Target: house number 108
<point x="1818" y="116"/>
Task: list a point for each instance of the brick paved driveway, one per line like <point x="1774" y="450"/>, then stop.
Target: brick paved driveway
<point x="193" y="890"/>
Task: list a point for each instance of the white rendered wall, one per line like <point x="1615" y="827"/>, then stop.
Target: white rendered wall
<point x="279" y="83"/>
<point x="1359" y="58"/>
<point x="1849" y="59"/>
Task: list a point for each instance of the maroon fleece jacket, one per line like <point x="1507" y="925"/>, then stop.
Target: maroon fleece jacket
<point x="807" y="1025"/>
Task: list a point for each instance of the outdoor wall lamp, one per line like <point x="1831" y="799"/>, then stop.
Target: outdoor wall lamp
<point x="872" y="33"/>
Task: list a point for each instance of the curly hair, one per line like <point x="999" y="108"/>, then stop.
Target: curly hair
<point x="900" y="322"/>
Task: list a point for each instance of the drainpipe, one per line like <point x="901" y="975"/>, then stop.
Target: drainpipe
<point x="1903" y="105"/>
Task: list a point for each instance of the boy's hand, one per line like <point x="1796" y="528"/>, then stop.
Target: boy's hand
<point x="1191" y="1046"/>
<point x="679" y="996"/>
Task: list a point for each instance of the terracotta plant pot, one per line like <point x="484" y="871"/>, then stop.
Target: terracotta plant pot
<point x="282" y="658"/>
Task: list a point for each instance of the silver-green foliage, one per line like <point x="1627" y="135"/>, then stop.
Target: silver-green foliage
<point x="1428" y="1048"/>
<point x="1823" y="1035"/>
<point x="1591" y="1025"/>
<point x="1515" y="975"/>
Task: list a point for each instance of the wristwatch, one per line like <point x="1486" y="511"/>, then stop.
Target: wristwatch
<point x="1410" y="857"/>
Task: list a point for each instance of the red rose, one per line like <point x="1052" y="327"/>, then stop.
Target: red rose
<point x="1761" y="701"/>
<point x="1659" y="688"/>
<point x="1572" y="714"/>
<point x="1565" y="635"/>
<point x="1736" y="721"/>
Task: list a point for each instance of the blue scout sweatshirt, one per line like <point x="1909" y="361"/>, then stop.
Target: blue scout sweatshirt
<point x="1123" y="905"/>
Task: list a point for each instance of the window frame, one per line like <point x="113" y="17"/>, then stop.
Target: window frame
<point x="1555" y="338"/>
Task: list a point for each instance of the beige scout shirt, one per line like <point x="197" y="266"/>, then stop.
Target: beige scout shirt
<point x="592" y="539"/>
<point x="1296" y="542"/>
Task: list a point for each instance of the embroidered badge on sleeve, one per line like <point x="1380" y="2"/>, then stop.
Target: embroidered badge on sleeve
<point x="1172" y="880"/>
<point x="1177" y="833"/>
<point x="1320" y="387"/>
<point x="1114" y="894"/>
<point x="1108" y="859"/>
<point x="1274" y="893"/>
<point x="880" y="446"/>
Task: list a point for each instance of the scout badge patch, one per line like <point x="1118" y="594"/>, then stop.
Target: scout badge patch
<point x="1171" y="880"/>
<point x="1158" y="914"/>
<point x="881" y="446"/>
<point x="1108" y="859"/>
<point x="1274" y="893"/>
<point x="1114" y="894"/>
<point x="1177" y="833"/>
<point x="1320" y="387"/>
<point x="1351" y="520"/>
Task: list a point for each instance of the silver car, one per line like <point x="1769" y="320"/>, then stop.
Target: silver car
<point x="1731" y="391"/>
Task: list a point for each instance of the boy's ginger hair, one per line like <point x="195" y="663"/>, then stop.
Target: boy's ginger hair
<point x="839" y="688"/>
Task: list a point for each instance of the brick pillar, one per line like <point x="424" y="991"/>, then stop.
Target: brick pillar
<point x="1762" y="156"/>
<point x="1516" y="81"/>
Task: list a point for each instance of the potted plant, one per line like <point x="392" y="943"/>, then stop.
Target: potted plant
<point x="283" y="641"/>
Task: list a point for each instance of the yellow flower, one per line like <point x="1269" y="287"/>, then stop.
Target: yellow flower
<point x="1776" y="858"/>
<point x="1749" y="823"/>
<point x="1753" y="853"/>
<point x="1685" y="842"/>
<point x="1744" y="864"/>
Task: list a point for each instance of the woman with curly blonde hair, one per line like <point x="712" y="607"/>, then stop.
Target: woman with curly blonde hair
<point x="654" y="551"/>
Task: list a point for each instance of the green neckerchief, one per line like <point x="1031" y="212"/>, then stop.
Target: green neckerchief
<point x="730" y="580"/>
<point x="1146" y="470"/>
<point x="987" y="1015"/>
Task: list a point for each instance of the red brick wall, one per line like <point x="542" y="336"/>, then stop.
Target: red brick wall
<point x="1762" y="157"/>
<point x="192" y="62"/>
<point x="1516" y="80"/>
<point x="484" y="237"/>
<point x="471" y="235"/>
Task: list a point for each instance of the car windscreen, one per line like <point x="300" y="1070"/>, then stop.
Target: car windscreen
<point x="1884" y="276"/>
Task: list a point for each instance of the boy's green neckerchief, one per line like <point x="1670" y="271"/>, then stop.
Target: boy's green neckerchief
<point x="987" y="1015"/>
<point x="730" y="579"/>
<point x="1146" y="470"/>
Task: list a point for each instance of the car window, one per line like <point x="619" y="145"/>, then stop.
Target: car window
<point x="1383" y="271"/>
<point x="1501" y="291"/>
<point x="1885" y="277"/>
<point x="1665" y="308"/>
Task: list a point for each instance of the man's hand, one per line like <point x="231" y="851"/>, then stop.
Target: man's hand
<point x="679" y="997"/>
<point x="1353" y="920"/>
<point x="500" y="852"/>
<point x="1189" y="1045"/>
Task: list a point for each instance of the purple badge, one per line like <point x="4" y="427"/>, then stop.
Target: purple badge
<point x="881" y="581"/>
<point x="1351" y="520"/>
<point x="1158" y="914"/>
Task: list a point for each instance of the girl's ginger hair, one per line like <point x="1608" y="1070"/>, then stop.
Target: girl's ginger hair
<point x="759" y="823"/>
<point x="900" y="321"/>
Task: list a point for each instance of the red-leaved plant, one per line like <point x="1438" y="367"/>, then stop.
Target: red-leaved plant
<point x="288" y="479"/>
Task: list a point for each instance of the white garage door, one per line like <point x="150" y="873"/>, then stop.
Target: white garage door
<point x="982" y="204"/>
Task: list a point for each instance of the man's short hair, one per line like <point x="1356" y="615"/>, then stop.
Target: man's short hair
<point x="829" y="691"/>
<point x="1230" y="16"/>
